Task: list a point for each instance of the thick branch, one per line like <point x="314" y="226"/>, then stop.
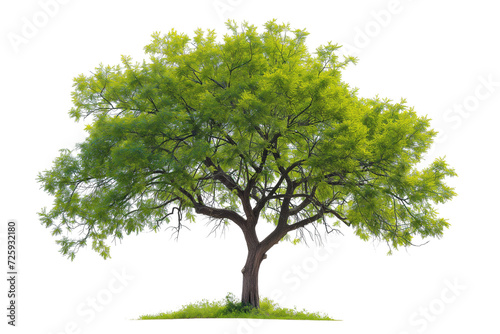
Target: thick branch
<point x="221" y="176"/>
<point x="284" y="176"/>
<point x="214" y="212"/>
<point x="306" y="221"/>
<point x="301" y="206"/>
<point x="273" y="238"/>
<point x="220" y="214"/>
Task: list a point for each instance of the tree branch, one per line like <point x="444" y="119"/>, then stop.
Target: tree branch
<point x="222" y="176"/>
<point x="214" y="212"/>
<point x="306" y="221"/>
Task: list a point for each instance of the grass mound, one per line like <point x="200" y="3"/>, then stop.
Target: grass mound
<point x="230" y="308"/>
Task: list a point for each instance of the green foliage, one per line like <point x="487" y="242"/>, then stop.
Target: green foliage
<point x="231" y="308"/>
<point x="251" y="126"/>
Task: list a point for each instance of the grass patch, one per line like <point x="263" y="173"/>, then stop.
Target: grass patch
<point x="231" y="308"/>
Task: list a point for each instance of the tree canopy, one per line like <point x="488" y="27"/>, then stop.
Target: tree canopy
<point x="244" y="129"/>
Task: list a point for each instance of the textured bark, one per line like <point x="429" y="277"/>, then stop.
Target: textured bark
<point x="250" y="291"/>
<point x="256" y="254"/>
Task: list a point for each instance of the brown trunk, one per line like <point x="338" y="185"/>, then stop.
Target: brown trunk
<point x="256" y="253"/>
<point x="250" y="293"/>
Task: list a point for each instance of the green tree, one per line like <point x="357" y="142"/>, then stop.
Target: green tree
<point x="245" y="129"/>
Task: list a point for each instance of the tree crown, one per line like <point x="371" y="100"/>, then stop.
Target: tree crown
<point x="247" y="127"/>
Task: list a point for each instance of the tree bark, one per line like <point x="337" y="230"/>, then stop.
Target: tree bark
<point x="256" y="254"/>
<point x="250" y="291"/>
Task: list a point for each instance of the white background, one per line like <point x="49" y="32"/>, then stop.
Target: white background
<point x="442" y="56"/>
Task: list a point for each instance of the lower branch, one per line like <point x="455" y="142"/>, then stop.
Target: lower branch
<point x="306" y="221"/>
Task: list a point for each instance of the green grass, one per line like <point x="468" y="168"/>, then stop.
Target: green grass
<point x="230" y="308"/>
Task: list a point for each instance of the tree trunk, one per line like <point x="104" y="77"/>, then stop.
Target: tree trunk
<point x="250" y="293"/>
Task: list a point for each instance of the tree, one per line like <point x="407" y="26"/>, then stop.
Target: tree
<point x="247" y="129"/>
